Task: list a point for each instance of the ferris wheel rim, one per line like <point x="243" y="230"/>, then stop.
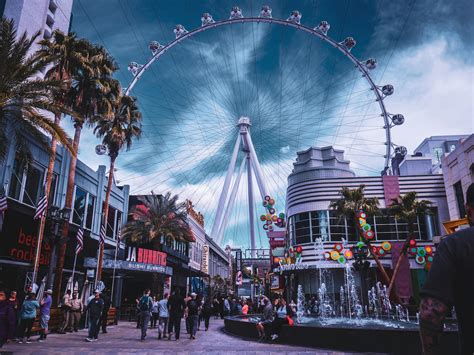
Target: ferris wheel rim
<point x="312" y="31"/>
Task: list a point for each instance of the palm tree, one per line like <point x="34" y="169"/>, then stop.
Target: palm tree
<point x="348" y="205"/>
<point x="158" y="216"/>
<point x="24" y="97"/>
<point x="117" y="133"/>
<point x="88" y="97"/>
<point x="64" y="53"/>
<point x="407" y="208"/>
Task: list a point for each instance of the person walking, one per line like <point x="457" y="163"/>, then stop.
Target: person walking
<point x="76" y="311"/>
<point x="215" y="307"/>
<point x="266" y="320"/>
<point x="27" y="317"/>
<point x="163" y="316"/>
<point x="103" y="318"/>
<point x="45" y="310"/>
<point x="193" y="313"/>
<point x="7" y="319"/>
<point x="206" y="313"/>
<point x="66" y="309"/>
<point x="176" y="307"/>
<point x="95" y="308"/>
<point x="155" y="313"/>
<point x="450" y="282"/>
<point x="145" y="304"/>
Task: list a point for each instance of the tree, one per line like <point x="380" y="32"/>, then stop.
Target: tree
<point x="407" y="208"/>
<point x="24" y="97"/>
<point x="64" y="53"/>
<point x="117" y="133"/>
<point x="89" y="97"/>
<point x="158" y="216"/>
<point x="348" y="205"/>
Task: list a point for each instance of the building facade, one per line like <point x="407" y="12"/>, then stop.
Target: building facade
<point x="314" y="230"/>
<point x="458" y="173"/>
<point x="24" y="187"/>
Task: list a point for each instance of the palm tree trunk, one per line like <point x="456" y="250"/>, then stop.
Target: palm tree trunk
<point x="400" y="257"/>
<point x="68" y="204"/>
<point x="386" y="279"/>
<point x="47" y="189"/>
<point x="106" y="214"/>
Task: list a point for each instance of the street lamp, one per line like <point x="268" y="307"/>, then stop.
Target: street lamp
<point x="57" y="217"/>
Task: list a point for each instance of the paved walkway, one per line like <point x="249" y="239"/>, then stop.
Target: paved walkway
<point x="124" y="339"/>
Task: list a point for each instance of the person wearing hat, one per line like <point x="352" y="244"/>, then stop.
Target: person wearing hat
<point x="192" y="315"/>
<point x="45" y="311"/>
<point x="76" y="310"/>
<point x="450" y="282"/>
<point x="95" y="308"/>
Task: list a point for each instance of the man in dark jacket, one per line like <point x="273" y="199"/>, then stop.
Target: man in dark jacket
<point x="105" y="297"/>
<point x="95" y="308"/>
<point x="176" y="306"/>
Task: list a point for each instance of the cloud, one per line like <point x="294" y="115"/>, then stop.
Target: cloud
<point x="285" y="149"/>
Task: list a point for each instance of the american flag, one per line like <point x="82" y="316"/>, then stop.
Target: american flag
<point x="119" y="232"/>
<point x="80" y="240"/>
<point x="41" y="207"/>
<point x="102" y="235"/>
<point x="3" y="201"/>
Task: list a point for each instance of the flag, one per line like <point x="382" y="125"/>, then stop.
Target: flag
<point x="119" y="232"/>
<point x="41" y="208"/>
<point x="3" y="201"/>
<point x="80" y="240"/>
<point x="102" y="235"/>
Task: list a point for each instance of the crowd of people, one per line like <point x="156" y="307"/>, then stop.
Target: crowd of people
<point x="17" y="316"/>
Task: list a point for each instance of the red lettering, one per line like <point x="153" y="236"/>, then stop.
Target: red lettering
<point x="155" y="258"/>
<point x="21" y="237"/>
<point x="140" y="255"/>
<point x="28" y="240"/>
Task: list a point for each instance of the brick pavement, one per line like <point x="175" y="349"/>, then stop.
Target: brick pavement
<point x="125" y="339"/>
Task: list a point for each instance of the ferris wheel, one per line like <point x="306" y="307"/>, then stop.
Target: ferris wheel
<point x="298" y="86"/>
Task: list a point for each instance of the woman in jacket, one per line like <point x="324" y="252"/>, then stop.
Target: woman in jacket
<point x="27" y="317"/>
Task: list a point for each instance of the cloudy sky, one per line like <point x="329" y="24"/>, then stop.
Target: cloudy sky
<point x="297" y="90"/>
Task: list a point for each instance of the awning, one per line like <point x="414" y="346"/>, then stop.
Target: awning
<point x="129" y="265"/>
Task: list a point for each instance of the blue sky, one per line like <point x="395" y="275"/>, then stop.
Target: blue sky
<point x="297" y="90"/>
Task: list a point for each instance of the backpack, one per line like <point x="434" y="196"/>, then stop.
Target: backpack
<point x="144" y="304"/>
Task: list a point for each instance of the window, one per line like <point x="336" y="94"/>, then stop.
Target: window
<point x="80" y="197"/>
<point x="27" y="185"/>
<point x="437" y="154"/>
<point x="111" y="222"/>
<point x="320" y="225"/>
<point x="385" y="227"/>
<point x="83" y="211"/>
<point x="90" y="211"/>
<point x="302" y="228"/>
<point x="337" y="226"/>
<point x="459" y="199"/>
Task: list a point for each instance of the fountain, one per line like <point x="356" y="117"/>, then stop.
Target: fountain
<point x="341" y="322"/>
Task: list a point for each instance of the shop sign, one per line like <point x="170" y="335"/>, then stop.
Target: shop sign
<point x="275" y="282"/>
<point x="146" y="256"/>
<point x="19" y="239"/>
<point x="291" y="267"/>
<point x="205" y="259"/>
<point x="238" y="278"/>
<point x="128" y="265"/>
<point x="292" y="260"/>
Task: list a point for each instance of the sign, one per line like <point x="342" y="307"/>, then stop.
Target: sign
<point x="275" y="282"/>
<point x="238" y="278"/>
<point x="205" y="259"/>
<point x="238" y="260"/>
<point x="129" y="265"/>
<point x="291" y="267"/>
<point x="19" y="239"/>
<point x="146" y="256"/>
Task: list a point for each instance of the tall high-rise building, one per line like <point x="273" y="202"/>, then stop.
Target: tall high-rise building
<point x="31" y="16"/>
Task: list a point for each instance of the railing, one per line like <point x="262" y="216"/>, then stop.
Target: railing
<point x="175" y="253"/>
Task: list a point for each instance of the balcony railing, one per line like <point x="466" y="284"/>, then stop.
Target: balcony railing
<point x="177" y="254"/>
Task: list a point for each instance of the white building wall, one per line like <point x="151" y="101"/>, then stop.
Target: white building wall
<point x="458" y="166"/>
<point x="195" y="256"/>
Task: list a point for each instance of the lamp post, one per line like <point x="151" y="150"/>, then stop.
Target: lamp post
<point x="56" y="218"/>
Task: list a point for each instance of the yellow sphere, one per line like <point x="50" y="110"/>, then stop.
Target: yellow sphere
<point x="335" y="255"/>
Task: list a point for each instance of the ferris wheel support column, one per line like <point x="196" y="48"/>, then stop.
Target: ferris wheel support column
<point x="256" y="166"/>
<point x="251" y="202"/>
<point x="230" y="204"/>
<point x="222" y="199"/>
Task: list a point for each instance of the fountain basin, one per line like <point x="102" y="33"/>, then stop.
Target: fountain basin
<point x="367" y="335"/>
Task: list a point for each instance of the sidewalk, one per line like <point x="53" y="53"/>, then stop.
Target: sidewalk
<point x="125" y="339"/>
